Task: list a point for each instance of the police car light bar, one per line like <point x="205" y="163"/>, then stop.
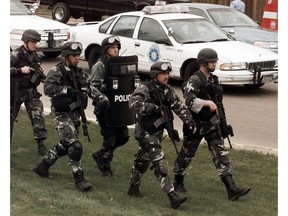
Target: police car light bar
<point x="165" y="9"/>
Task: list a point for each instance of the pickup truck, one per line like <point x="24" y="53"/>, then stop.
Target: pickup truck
<point x="93" y="10"/>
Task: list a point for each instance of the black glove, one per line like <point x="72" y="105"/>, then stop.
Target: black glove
<point x="104" y="103"/>
<point x="175" y="135"/>
<point x="156" y="110"/>
<point x="71" y="92"/>
<point x="192" y="125"/>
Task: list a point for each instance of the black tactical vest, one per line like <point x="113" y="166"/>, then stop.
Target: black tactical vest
<point x="147" y="122"/>
<point x="207" y="90"/>
<point x="66" y="103"/>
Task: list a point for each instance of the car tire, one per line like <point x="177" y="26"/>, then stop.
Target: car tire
<point x="61" y="12"/>
<point x="93" y="56"/>
<point x="52" y="54"/>
<point x="190" y="68"/>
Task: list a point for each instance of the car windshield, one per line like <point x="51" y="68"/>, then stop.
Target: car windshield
<point x="195" y="31"/>
<point x="231" y="18"/>
<point x="17" y="8"/>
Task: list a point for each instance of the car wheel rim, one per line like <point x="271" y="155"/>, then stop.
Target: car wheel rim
<point x="59" y="13"/>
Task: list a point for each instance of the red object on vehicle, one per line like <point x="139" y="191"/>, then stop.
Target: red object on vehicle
<point x="270" y="15"/>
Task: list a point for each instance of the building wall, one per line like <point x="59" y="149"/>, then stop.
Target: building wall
<point x="254" y="8"/>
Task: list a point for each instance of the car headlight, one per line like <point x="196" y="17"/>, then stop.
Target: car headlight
<point x="266" y="44"/>
<point x="233" y="66"/>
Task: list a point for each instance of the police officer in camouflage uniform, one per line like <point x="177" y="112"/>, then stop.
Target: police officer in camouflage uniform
<point x="203" y="109"/>
<point x="24" y="87"/>
<point x="65" y="83"/>
<point x="113" y="137"/>
<point x="149" y="136"/>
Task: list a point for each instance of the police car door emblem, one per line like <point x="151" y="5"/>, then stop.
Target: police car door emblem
<point x="154" y="53"/>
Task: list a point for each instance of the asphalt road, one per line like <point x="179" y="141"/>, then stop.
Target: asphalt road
<point x="253" y="113"/>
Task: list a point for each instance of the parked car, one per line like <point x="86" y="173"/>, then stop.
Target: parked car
<point x="159" y="33"/>
<point x="238" y="24"/>
<point x="53" y="33"/>
<point x="92" y="10"/>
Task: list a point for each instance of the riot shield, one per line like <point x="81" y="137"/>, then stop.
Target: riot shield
<point x="121" y="81"/>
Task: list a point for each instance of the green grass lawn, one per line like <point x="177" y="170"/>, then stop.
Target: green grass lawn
<point x="34" y="196"/>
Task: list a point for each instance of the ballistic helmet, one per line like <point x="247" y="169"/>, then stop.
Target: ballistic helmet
<point x="110" y="41"/>
<point x="160" y="67"/>
<point x="207" y="55"/>
<point x="31" y="35"/>
<point x="70" y="48"/>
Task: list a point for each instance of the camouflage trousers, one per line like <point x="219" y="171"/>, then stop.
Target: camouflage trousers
<point x="34" y="108"/>
<point x="150" y="151"/>
<point x="216" y="147"/>
<point x="67" y="125"/>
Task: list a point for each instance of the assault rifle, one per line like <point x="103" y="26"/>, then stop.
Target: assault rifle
<point x="79" y="95"/>
<point x="166" y="121"/>
<point x="38" y="75"/>
<point x="226" y="130"/>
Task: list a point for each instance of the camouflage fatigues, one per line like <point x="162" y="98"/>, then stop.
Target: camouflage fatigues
<point x="24" y="91"/>
<point x="195" y="93"/>
<point x="150" y="151"/>
<point x="58" y="86"/>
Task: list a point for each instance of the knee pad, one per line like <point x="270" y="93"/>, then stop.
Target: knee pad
<point x="142" y="166"/>
<point x="61" y="149"/>
<point x="75" y="151"/>
<point x="161" y="168"/>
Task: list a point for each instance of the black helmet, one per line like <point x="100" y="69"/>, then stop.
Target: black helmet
<point x="71" y="48"/>
<point x="31" y="35"/>
<point x="207" y="55"/>
<point x="110" y="41"/>
<point x="160" y="67"/>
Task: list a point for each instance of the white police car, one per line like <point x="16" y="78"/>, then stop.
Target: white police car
<point x="53" y="33"/>
<point x="159" y="33"/>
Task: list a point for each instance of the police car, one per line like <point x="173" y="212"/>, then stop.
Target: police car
<point x="166" y="33"/>
<point x="53" y="33"/>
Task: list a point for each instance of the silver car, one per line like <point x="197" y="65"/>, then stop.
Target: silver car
<point x="238" y="24"/>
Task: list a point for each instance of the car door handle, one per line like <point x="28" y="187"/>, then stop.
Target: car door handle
<point x="137" y="44"/>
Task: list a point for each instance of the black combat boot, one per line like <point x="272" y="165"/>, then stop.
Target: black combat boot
<point x="175" y="199"/>
<point x="178" y="184"/>
<point x="98" y="157"/>
<point x="43" y="169"/>
<point x="41" y="148"/>
<point x="102" y="164"/>
<point x="233" y="191"/>
<point x="80" y="182"/>
<point x="134" y="191"/>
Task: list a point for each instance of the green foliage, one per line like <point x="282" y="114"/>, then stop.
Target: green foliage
<point x="34" y="196"/>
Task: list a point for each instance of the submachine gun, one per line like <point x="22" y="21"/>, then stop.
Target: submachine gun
<point x="81" y="103"/>
<point x="38" y="75"/>
<point x="217" y="96"/>
<point x="166" y="120"/>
